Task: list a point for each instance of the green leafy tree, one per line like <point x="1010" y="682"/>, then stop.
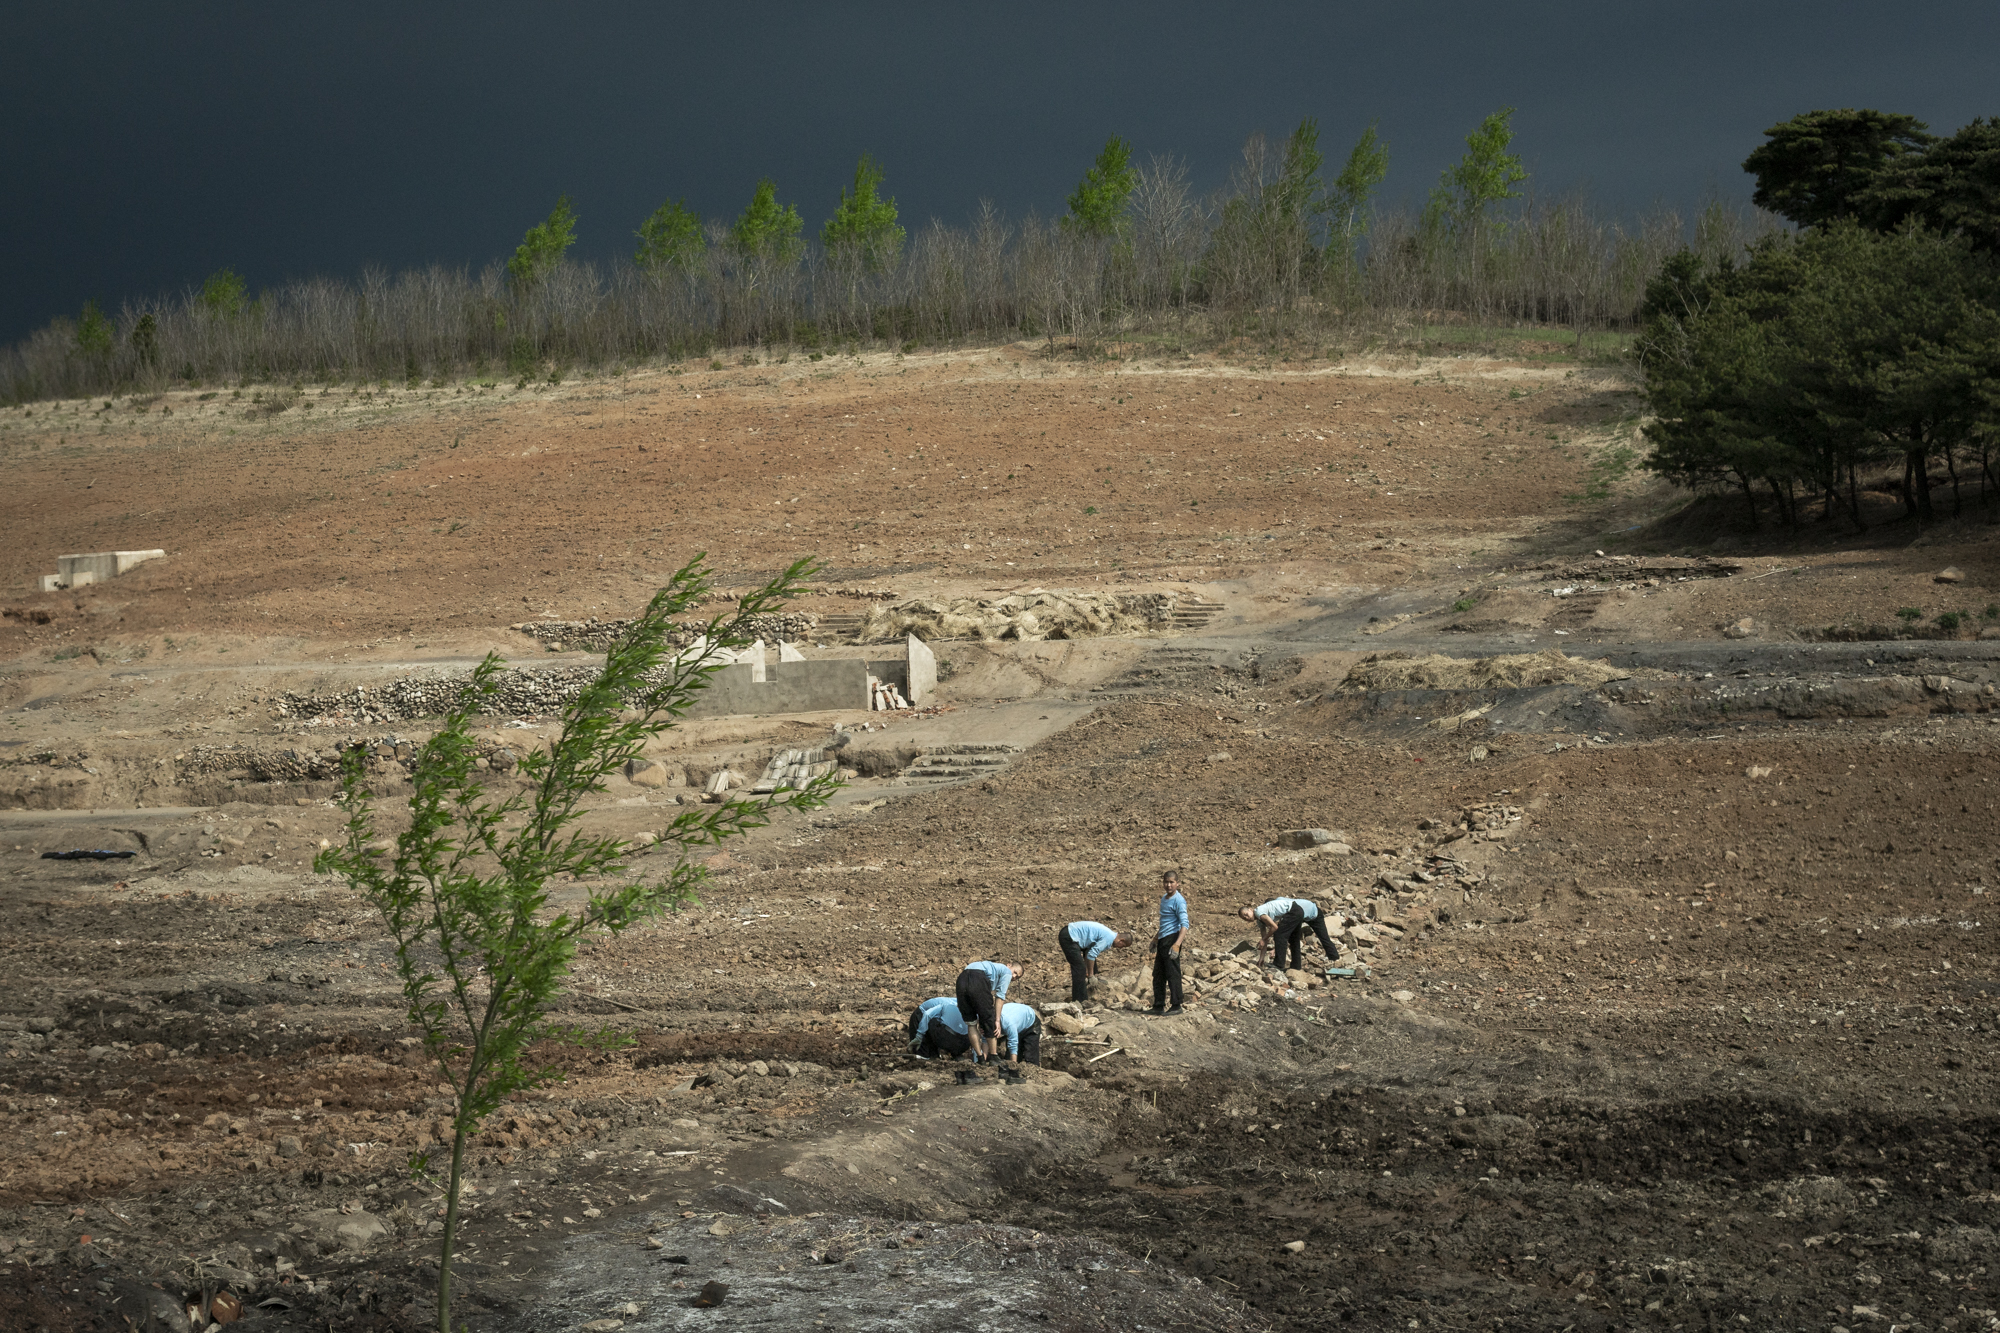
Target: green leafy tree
<point x="544" y="245"/>
<point x="1465" y="194"/>
<point x="480" y="949"/>
<point x="1097" y="206"/>
<point x="93" y="333"/>
<point x="863" y="229"/>
<point x="1347" y="202"/>
<point x="768" y="230"/>
<point x="222" y="294"/>
<point x="1951" y="186"/>
<point x="1824" y="353"/>
<point x="671" y="238"/>
<point x="1815" y="167"/>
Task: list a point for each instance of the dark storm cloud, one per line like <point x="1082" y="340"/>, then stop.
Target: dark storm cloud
<point x="147" y="146"/>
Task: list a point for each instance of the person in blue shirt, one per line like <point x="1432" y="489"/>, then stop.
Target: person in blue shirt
<point x="936" y="1029"/>
<point x="1174" y="927"/>
<point x="1279" y="922"/>
<point x="1082" y="942"/>
<point x="981" y="986"/>
<point x="1023" y="1030"/>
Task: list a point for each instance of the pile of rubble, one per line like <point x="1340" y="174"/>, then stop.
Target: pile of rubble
<point x="1402" y="671"/>
<point x="520" y="693"/>
<point x="596" y="635"/>
<point x="1025" y="617"/>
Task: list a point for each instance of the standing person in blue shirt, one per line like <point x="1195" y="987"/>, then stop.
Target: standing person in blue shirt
<point x="980" y="989"/>
<point x="936" y="1029"/>
<point x="1018" y="1023"/>
<point x="1167" y="945"/>
<point x="1279" y="922"/>
<point x="1082" y="942"/>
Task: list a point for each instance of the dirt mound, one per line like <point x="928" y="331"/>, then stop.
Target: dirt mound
<point x="1400" y="671"/>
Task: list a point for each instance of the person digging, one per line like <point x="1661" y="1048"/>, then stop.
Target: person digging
<point x="1279" y="923"/>
<point x="981" y="987"/>
<point x="1082" y="943"/>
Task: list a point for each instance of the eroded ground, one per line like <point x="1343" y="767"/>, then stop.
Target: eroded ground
<point x="1705" y="1038"/>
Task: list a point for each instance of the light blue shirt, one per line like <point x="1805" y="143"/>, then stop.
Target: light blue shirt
<point x="1092" y="937"/>
<point x="943" y="1011"/>
<point x="1277" y="907"/>
<point x="1173" y="915"/>
<point x="1014" y="1020"/>
<point x="999" y="973"/>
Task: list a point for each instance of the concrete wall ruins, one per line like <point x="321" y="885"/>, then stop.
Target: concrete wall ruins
<point x="793" y="684"/>
<point x="76" y="571"/>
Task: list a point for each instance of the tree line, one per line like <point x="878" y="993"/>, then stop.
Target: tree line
<point x="1867" y="339"/>
<point x="1281" y="256"/>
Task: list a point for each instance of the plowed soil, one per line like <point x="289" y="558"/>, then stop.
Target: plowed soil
<point x="1708" y="1041"/>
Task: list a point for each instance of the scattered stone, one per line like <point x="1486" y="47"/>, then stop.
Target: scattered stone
<point x="1296" y="1246"/>
<point x="1950" y="574"/>
<point x="1478" y="754"/>
<point x="1402" y="996"/>
<point x="1756" y="771"/>
<point x="652" y="773"/>
<point x="712" y="1294"/>
<point x="330" y="1228"/>
<point x="759" y="1068"/>
<point x="289" y="1145"/>
<point x="1065" y="1024"/>
<point x="1219" y="757"/>
<point x="1301" y="839"/>
<point x="655" y="1243"/>
<point x="604" y="1325"/>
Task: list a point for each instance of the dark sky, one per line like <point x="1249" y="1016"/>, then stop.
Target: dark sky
<point x="146" y="145"/>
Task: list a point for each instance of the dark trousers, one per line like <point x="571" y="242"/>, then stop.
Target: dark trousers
<point x="1166" y="972"/>
<point x="975" y="1002"/>
<point x="1285" y="936"/>
<point x="1318" y="925"/>
<point x="1079" y="966"/>
<point x="941" y="1040"/>
<point x="1031" y="1044"/>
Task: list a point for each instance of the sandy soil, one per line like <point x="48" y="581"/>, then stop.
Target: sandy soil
<point x="1708" y="1040"/>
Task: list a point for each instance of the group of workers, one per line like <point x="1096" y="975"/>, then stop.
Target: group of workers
<point x="977" y="1017"/>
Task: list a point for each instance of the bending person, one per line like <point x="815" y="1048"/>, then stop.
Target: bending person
<point x="1023" y="1030"/>
<point x="981" y="987"/>
<point x="1279" y="922"/>
<point x="1082" y="942"/>
<point x="937" y="1030"/>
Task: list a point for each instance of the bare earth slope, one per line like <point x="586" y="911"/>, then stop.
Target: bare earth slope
<point x="1676" y="845"/>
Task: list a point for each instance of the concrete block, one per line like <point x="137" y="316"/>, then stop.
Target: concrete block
<point x="98" y="564"/>
<point x="755" y="657"/>
<point x="787" y="653"/>
<point x="80" y="578"/>
<point x="922" y="683"/>
<point x="103" y="566"/>
<point x="48" y="583"/>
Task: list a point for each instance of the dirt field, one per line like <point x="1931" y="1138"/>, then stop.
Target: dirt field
<point x="1679" y="1002"/>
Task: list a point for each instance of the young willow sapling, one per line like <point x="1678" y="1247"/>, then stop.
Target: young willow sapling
<point x="481" y="948"/>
